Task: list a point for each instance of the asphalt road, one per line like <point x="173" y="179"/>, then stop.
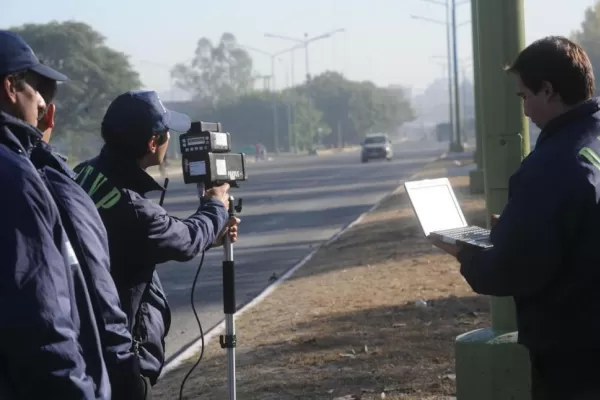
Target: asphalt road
<point x="290" y="206"/>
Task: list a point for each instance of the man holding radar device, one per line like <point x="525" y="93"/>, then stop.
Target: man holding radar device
<point x="207" y="161"/>
<point x="136" y="130"/>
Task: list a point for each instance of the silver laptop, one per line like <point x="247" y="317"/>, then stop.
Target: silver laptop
<point x="440" y="215"/>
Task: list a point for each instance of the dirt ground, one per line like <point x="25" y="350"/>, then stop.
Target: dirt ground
<point x="373" y="315"/>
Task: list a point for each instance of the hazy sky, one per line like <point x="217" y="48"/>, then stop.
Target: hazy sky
<point x="381" y="43"/>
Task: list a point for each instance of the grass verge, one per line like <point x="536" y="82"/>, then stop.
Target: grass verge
<point x="373" y="315"/>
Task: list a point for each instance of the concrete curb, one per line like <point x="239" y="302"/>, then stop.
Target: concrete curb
<point x="220" y="327"/>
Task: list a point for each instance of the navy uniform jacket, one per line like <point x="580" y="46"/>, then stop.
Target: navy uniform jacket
<point x="49" y="339"/>
<point x="141" y="235"/>
<point x="546" y="241"/>
<point x="89" y="240"/>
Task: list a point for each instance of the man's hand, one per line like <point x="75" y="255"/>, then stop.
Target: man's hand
<point x="231" y="230"/>
<point x="494" y="220"/>
<point x="451" y="249"/>
<point x="220" y="193"/>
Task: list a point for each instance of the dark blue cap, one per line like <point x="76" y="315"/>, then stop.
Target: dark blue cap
<point x="141" y="113"/>
<point x="16" y="55"/>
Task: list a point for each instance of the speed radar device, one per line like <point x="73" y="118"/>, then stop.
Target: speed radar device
<point x="206" y="156"/>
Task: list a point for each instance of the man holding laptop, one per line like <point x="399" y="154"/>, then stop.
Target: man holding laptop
<point x="544" y="248"/>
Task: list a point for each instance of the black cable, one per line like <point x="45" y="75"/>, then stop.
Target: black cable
<point x="199" y="326"/>
<point x="162" y="199"/>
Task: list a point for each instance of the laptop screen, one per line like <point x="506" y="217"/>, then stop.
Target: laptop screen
<point x="435" y="205"/>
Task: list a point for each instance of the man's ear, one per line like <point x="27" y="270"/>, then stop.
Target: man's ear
<point x="47" y="123"/>
<point x="547" y="90"/>
<point x="152" y="144"/>
<point x="9" y="89"/>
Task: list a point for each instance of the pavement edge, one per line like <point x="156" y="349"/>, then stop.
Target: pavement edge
<point x="195" y="346"/>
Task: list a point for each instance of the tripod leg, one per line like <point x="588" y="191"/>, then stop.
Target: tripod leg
<point x="230" y="331"/>
<point x="228" y="341"/>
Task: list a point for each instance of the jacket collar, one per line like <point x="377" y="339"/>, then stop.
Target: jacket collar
<point x="43" y="155"/>
<point x="557" y="124"/>
<point x="127" y="172"/>
<point x="20" y="136"/>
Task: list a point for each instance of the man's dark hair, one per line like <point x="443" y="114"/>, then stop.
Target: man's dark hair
<point x="560" y="62"/>
<point x="47" y="88"/>
<point x="130" y="144"/>
<point x="19" y="77"/>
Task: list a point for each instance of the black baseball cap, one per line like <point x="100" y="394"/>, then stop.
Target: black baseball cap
<point x="16" y="55"/>
<point x="141" y="113"/>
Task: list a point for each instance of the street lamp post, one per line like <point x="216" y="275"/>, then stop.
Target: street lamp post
<point x="452" y="49"/>
<point x="458" y="147"/>
<point x="463" y="95"/>
<point x="304" y="43"/>
<point x="291" y="145"/>
<point x="273" y="57"/>
<point x="449" y="66"/>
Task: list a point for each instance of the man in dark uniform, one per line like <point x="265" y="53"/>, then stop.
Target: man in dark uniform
<point x="49" y="337"/>
<point x="136" y="130"/>
<point x="88" y="236"/>
<point x="545" y="251"/>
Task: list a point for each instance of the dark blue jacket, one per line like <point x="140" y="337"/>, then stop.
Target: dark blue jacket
<point x="141" y="235"/>
<point x="90" y="243"/>
<point x="49" y="339"/>
<point x="546" y="241"/>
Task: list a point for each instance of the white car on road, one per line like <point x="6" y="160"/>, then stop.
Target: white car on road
<point x="376" y="146"/>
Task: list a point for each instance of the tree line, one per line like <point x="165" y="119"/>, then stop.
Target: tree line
<point x="328" y="110"/>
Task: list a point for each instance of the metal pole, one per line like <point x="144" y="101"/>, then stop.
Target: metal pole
<point x="457" y="145"/>
<point x="306" y="57"/>
<point x="292" y="114"/>
<point x="449" y="66"/>
<point x="288" y="109"/>
<point x="304" y="43"/>
<point x="275" y="121"/>
<point x="489" y="362"/>
<point x="465" y="109"/>
<point x="229" y="341"/>
<point x="476" y="178"/>
<point x="292" y="73"/>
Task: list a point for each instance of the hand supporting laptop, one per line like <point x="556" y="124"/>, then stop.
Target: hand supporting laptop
<point x="494" y="219"/>
<point x="452" y="249"/>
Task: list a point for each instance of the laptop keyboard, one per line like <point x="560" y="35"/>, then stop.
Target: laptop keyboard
<point x="470" y="234"/>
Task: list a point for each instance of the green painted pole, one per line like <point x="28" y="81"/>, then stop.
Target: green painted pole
<point x="456" y="145"/>
<point x="476" y="178"/>
<point x="489" y="363"/>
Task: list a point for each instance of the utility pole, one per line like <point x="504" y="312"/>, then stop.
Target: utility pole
<point x="476" y="177"/>
<point x="273" y="57"/>
<point x="489" y="363"/>
<point x="448" y="59"/>
<point x="456" y="145"/>
<point x="304" y="43"/>
<point x="275" y="121"/>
